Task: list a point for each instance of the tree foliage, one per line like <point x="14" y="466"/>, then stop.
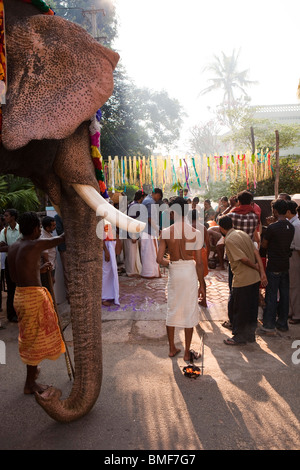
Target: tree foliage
<point x="79" y="11"/>
<point x="135" y="121"/>
<point x="243" y="118"/>
<point x="138" y="120"/>
<point x="18" y="193"/>
<point x="204" y="138"/>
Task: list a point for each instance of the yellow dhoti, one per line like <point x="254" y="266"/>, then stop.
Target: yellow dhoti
<point x="39" y="334"/>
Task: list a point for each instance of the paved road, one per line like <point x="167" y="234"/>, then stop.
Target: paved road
<point x="248" y="397"/>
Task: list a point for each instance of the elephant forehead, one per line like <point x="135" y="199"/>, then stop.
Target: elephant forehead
<point x="59" y="76"/>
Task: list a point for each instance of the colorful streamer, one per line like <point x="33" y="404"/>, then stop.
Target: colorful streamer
<point x="151" y="171"/>
<point x="197" y="176"/>
<point x="186" y="173"/>
<point x="174" y="173"/>
<point x="166" y="172"/>
<point x="141" y="174"/>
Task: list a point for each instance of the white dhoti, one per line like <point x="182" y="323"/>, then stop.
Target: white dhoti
<point x="149" y="249"/>
<point x="110" y="278"/>
<point x="133" y="266"/>
<point x="182" y="306"/>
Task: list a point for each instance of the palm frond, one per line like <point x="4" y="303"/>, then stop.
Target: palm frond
<point x="23" y="200"/>
<point x="227" y="76"/>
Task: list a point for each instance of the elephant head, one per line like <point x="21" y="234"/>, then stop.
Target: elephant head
<point x="58" y="77"/>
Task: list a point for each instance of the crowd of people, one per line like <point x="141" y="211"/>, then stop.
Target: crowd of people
<point x="263" y="261"/>
<point x="263" y="264"/>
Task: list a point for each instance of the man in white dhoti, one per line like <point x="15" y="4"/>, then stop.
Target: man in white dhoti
<point x="184" y="244"/>
<point x="110" y="278"/>
<point x="149" y="243"/>
<point x="133" y="265"/>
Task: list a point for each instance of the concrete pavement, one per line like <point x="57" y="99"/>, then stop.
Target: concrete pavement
<point x="248" y="397"/>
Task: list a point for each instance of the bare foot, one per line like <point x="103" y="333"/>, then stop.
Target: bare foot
<point x="49" y="392"/>
<point x="38" y="371"/>
<point x="107" y="303"/>
<point x="174" y="353"/>
<point x="34" y="388"/>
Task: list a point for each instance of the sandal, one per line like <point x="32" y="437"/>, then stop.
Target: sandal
<point x="227" y="324"/>
<point x="232" y="342"/>
<point x="194" y="355"/>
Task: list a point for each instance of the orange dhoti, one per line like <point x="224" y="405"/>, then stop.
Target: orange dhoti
<point x="39" y="334"/>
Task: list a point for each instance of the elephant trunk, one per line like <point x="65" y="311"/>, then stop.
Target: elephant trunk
<point x="84" y="260"/>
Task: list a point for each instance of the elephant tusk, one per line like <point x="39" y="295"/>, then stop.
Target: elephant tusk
<point x="103" y="209"/>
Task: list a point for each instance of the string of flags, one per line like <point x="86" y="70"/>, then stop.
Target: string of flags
<point x="198" y="171"/>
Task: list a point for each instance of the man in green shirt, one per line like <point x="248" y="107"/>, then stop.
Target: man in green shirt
<point x="248" y="273"/>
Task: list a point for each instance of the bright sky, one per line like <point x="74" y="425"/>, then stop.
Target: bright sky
<point x="165" y="44"/>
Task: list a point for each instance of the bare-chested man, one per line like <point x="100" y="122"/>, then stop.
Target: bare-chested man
<point x="184" y="244"/>
<point x="39" y="334"/>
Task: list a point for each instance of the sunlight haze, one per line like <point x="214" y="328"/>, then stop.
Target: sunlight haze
<point x="166" y="44"/>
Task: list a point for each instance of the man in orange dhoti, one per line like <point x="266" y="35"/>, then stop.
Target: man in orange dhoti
<point x="39" y="334"/>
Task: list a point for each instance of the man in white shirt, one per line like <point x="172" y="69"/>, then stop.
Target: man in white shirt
<point x="9" y="235"/>
<point x="294" y="271"/>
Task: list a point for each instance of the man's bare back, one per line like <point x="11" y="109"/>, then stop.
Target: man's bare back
<point x="182" y="240"/>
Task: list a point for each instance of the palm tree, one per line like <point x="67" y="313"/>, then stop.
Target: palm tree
<point x="18" y="193"/>
<point x="228" y="78"/>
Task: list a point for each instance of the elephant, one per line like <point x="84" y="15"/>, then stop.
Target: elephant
<point x="58" y="77"/>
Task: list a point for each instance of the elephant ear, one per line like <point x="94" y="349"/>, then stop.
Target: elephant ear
<point x="59" y="76"/>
